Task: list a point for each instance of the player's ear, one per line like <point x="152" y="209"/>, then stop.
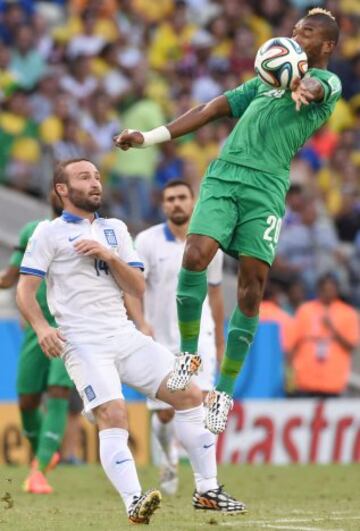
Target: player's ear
<point x="61" y="189"/>
<point x="328" y="47"/>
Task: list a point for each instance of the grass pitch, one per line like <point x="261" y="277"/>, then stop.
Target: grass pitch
<point x="304" y="498"/>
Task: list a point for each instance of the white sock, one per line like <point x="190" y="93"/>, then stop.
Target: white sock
<point x="165" y="435"/>
<point x="200" y="445"/>
<point x="118" y="463"/>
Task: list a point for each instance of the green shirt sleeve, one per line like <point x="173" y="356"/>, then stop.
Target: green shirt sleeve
<point x="24" y="236"/>
<point x="331" y="85"/>
<point x="240" y="98"/>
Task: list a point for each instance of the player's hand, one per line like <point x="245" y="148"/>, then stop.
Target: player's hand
<point x="146" y="329"/>
<point x="51" y="341"/>
<point x="127" y="139"/>
<point x="93" y="248"/>
<point x="302" y="93"/>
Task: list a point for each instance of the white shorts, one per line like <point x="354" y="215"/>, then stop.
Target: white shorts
<point x="205" y="379"/>
<point x="99" y="369"/>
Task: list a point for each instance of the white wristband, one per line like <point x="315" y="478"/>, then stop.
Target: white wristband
<point x="155" y="136"/>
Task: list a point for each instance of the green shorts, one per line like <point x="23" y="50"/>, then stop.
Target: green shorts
<point x="36" y="372"/>
<point x="243" y="219"/>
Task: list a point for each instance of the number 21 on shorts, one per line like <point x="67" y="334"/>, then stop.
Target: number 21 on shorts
<point x="272" y="231"/>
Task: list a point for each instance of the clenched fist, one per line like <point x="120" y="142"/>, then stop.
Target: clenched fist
<point x="127" y="139"/>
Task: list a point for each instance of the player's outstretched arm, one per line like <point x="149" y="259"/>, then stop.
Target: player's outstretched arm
<point x="9" y="277"/>
<point x="186" y="123"/>
<point x="50" y="339"/>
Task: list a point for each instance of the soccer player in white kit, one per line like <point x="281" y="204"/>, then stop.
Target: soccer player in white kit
<point x="89" y="262"/>
<point x="161" y="249"/>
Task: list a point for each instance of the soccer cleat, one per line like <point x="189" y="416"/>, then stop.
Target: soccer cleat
<point x="218" y="500"/>
<point x="186" y="365"/>
<point x="169" y="480"/>
<point x="36" y="483"/>
<point x="219" y="405"/>
<point x="143" y="507"/>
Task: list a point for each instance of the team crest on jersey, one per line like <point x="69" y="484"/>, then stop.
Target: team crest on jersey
<point x="110" y="237"/>
<point x="90" y="393"/>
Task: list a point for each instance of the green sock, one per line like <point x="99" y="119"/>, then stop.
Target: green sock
<point x="190" y="295"/>
<point x="52" y="430"/>
<point x="31" y="421"/>
<point x="241" y="334"/>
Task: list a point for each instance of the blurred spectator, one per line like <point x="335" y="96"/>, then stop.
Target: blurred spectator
<point x="87" y="42"/>
<point x="309" y="248"/>
<point x="26" y="62"/>
<point x="101" y="122"/>
<point x="326" y="331"/>
<point x="73" y="143"/>
<point x="80" y="83"/>
<point x="295" y="201"/>
<point x="8" y="79"/>
<point x="170" y="166"/>
<point x="42" y="101"/>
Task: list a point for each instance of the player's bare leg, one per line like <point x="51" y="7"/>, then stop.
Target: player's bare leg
<point x="191" y="293"/>
<point x="243" y="324"/>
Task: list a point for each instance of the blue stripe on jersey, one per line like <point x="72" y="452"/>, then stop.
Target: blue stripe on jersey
<point x="140" y="265"/>
<point x="168" y="234"/>
<point x="31" y="271"/>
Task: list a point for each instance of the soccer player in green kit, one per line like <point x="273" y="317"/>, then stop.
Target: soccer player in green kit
<point x="242" y="197"/>
<point x="38" y="374"/>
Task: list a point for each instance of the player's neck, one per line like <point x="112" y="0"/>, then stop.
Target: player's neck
<point x="179" y="231"/>
<point x="319" y="63"/>
<point x="79" y="212"/>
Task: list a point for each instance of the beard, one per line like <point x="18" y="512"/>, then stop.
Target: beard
<point x="88" y="203"/>
<point x="179" y="218"/>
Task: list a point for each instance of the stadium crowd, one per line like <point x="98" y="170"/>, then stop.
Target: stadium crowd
<point x="72" y="74"/>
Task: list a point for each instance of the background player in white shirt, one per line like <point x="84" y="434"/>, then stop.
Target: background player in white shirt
<point x="161" y="249"/>
<point x="89" y="262"/>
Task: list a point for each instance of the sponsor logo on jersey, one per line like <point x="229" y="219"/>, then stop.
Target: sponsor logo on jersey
<point x="275" y="93"/>
<point x="90" y="393"/>
<point x="72" y="238"/>
<point x="110" y="237"/>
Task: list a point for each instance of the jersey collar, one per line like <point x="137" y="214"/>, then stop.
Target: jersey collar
<point x="72" y="218"/>
<point x="169" y="237"/>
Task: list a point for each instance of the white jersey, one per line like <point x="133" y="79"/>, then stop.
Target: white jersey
<point x="161" y="254"/>
<point x="81" y="291"/>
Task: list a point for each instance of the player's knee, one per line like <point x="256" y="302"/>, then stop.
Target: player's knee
<point x="250" y="295"/>
<point x="195" y="258"/>
<point x="111" y="415"/>
<point x="191" y="397"/>
<point x="27" y="402"/>
<point x="165" y="415"/>
<point x="57" y="391"/>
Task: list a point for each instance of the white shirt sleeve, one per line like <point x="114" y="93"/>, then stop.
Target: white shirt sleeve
<point x="215" y="269"/>
<point x="126" y="248"/>
<point x="142" y="250"/>
<point x="39" y="252"/>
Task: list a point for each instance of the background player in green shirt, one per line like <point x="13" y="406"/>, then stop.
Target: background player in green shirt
<point x="242" y="197"/>
<point x="37" y="374"/>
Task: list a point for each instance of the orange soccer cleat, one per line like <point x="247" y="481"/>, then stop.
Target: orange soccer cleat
<point x="36" y="483"/>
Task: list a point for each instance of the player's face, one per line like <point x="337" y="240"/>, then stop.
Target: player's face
<point x="84" y="189"/>
<point x="178" y="204"/>
<point x="309" y="34"/>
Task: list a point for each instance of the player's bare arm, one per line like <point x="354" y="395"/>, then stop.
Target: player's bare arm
<point x="129" y="279"/>
<point x="306" y="90"/>
<point x="50" y="339"/>
<point x="186" y="123"/>
<point x="9" y="277"/>
<point x="135" y="310"/>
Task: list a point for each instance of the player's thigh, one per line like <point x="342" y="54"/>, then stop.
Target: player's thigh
<point x="58" y="375"/>
<point x="215" y="213"/>
<point x="146" y="367"/>
<point x="93" y="370"/>
<point x="205" y="378"/>
<point x="33" y="366"/>
<point x="260" y="218"/>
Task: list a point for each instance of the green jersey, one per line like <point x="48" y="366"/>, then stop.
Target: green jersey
<point x="16" y="259"/>
<point x="271" y="131"/>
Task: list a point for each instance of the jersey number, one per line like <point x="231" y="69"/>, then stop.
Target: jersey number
<point x="100" y="265"/>
<point x="272" y="232"/>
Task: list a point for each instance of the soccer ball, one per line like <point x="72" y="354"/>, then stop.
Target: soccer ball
<point x="279" y="61"/>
